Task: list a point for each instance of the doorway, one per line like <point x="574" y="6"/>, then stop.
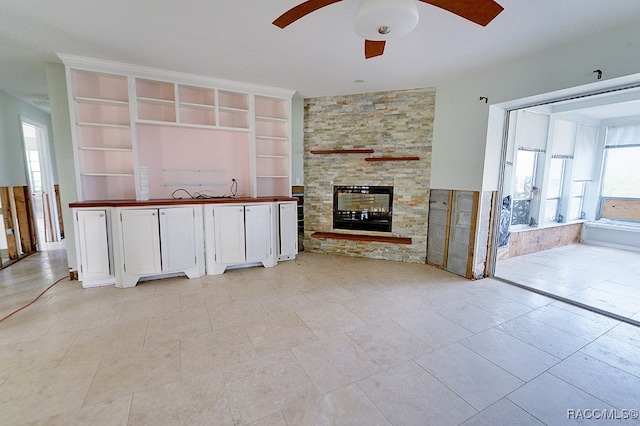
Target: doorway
<point x="570" y="209"/>
<point x="42" y="188"/>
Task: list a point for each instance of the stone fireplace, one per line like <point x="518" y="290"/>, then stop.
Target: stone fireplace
<point x="369" y="140"/>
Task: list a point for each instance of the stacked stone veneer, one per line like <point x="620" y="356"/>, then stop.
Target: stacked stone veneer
<point x="398" y="124"/>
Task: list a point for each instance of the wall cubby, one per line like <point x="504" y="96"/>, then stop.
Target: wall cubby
<point x="180" y="131"/>
<point x="102" y="130"/>
<point x="196" y="105"/>
<point x="273" y="159"/>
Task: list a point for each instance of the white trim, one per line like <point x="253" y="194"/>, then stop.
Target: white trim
<point x="100" y="65"/>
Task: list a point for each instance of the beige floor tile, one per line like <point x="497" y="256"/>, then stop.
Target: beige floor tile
<point x="142" y="291"/>
<point x="335" y="362"/>
<point x="180" y="347"/>
<point x="346" y="406"/>
<point x="476" y="380"/>
<point x="115" y="413"/>
<point x="81" y="317"/>
<point x="157" y="306"/>
<point x="604" y="381"/>
<point x="209" y="295"/>
<point x="96" y="343"/>
<point x="503" y="412"/>
<point x="131" y="371"/>
<point x="216" y="350"/>
<point x="279" y="333"/>
<point x="549" y="399"/>
<point x="548" y="338"/>
<point x="33" y="355"/>
<point x="587" y="327"/>
<point x="468" y="315"/>
<point x="291" y="302"/>
<point x="249" y="289"/>
<point x="408" y="395"/>
<point x="38" y="394"/>
<point x="184" y="323"/>
<point x="433" y="329"/>
<point x="323" y="294"/>
<point x="515" y="356"/>
<point x="291" y="281"/>
<point x="330" y="319"/>
<point x="388" y="343"/>
<point x="504" y="308"/>
<point x="266" y="385"/>
<point x="236" y="313"/>
<point x="583" y="273"/>
<point x="26" y="326"/>
<point x="276" y="419"/>
<point x="372" y="307"/>
<point x="176" y="285"/>
<point x="620" y="354"/>
<point x="195" y="400"/>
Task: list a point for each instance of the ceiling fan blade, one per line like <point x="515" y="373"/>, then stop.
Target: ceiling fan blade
<point x="479" y="11"/>
<point x="373" y="48"/>
<point x="301" y="10"/>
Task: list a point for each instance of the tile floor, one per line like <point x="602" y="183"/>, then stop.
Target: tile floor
<point x="322" y="340"/>
<point x="602" y="277"/>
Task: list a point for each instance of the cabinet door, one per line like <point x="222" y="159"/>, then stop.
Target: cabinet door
<point x="288" y="228"/>
<point x="228" y="222"/>
<point x="177" y="239"/>
<point x="258" y="232"/>
<point x="141" y="241"/>
<point x="94" y="244"/>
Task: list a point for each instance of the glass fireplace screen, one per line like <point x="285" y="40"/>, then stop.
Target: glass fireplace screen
<point x="367" y="208"/>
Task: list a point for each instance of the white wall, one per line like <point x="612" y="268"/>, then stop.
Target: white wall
<point x="12" y="164"/>
<point x="60" y="118"/>
<point x="297" y="140"/>
<point x="466" y="149"/>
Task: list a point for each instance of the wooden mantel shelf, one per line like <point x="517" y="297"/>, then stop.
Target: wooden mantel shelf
<point x="343" y="151"/>
<point x="361" y="237"/>
<point x="392" y="159"/>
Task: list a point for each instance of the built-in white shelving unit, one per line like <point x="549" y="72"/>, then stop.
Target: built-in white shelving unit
<point x="207" y="132"/>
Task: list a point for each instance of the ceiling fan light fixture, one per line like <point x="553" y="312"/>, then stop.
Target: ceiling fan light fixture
<point x="385" y="19"/>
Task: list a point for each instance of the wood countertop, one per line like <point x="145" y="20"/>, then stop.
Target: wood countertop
<point x="177" y="201"/>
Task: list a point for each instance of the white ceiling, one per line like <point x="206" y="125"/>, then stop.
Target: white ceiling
<point x="318" y="55"/>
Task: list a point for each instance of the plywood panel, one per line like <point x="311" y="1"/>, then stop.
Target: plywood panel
<point x="621" y="209"/>
<point x="8" y="222"/>
<point x="21" y="200"/>
<point x="56" y="188"/>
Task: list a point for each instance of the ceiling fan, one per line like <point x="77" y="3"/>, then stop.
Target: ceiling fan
<point x="379" y="20"/>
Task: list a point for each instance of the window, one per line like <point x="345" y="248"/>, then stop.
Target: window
<point x="552" y="167"/>
<point x="554" y="189"/>
<point x="525" y="172"/>
<point x="621" y="176"/>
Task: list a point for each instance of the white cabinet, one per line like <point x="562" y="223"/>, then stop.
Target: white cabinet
<point x="259" y="233"/>
<point x="92" y="240"/>
<point x="287" y="230"/>
<point x="157" y="241"/>
<point x="239" y="235"/>
<point x="141" y="242"/>
<point x="229" y="234"/>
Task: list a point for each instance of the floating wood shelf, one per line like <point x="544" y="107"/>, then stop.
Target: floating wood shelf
<point x="343" y="151"/>
<point x="361" y="237"/>
<point x="392" y="159"/>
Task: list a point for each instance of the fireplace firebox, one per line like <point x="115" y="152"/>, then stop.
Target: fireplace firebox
<point x="364" y="208"/>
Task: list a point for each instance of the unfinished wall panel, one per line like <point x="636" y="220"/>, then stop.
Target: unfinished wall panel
<point x="454" y="225"/>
